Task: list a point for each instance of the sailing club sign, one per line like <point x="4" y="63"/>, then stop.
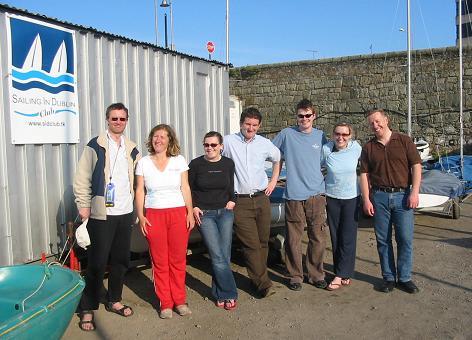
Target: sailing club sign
<point x="42" y="82"/>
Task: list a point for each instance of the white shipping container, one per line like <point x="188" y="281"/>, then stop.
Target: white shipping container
<point x="157" y="85"/>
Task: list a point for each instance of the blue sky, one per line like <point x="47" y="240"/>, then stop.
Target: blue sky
<point x="267" y="31"/>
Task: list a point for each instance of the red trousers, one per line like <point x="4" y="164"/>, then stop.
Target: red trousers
<point x="168" y="237"/>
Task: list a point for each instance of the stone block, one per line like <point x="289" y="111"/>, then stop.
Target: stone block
<point x="349" y="81"/>
<point x="449" y="129"/>
<point x="467" y="72"/>
<point x="345" y="95"/>
<point x="420" y="105"/>
<point x="354" y="106"/>
<point x="451" y="100"/>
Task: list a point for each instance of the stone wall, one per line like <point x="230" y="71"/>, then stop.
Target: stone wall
<point x="342" y="89"/>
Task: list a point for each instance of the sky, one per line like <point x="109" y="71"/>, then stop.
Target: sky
<point x="266" y="31"/>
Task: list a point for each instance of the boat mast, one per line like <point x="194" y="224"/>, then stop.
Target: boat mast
<point x="408" y="29"/>
<point x="461" y="123"/>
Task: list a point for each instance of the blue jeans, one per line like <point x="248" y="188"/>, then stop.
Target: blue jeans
<point x="392" y="208"/>
<point x="217" y="232"/>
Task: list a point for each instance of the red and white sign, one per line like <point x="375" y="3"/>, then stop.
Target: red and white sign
<point x="210" y="47"/>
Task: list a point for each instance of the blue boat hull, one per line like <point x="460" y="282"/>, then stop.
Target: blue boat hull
<point x="37" y="301"/>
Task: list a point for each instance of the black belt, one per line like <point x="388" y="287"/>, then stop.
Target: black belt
<point x="389" y="189"/>
<point x="254" y="194"/>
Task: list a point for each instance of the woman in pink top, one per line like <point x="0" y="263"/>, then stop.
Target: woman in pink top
<point x="164" y="208"/>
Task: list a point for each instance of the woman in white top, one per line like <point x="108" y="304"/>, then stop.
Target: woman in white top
<point x="164" y="208"/>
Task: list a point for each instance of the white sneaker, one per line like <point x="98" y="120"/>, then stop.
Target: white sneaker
<point x="183" y="310"/>
<point x="166" y="313"/>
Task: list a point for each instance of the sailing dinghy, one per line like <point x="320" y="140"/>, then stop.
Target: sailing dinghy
<point x="37" y="301"/>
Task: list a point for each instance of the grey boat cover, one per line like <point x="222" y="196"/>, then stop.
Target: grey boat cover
<point x="440" y="183"/>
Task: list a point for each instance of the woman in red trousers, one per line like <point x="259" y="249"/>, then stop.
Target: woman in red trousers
<point x="164" y="207"/>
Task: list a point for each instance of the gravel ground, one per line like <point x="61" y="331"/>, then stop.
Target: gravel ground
<point x="442" y="310"/>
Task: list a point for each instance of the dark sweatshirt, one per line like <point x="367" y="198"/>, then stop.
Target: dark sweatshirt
<point x="212" y="183"/>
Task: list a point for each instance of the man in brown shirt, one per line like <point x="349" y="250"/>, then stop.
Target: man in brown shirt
<point x="390" y="182"/>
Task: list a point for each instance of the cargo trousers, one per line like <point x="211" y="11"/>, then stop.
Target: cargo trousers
<point x="312" y="213"/>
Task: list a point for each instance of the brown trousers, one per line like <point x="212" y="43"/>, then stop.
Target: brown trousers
<point x="252" y="226"/>
<point x="311" y="212"/>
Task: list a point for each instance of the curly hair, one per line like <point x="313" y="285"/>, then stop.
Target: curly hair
<point x="173" y="149"/>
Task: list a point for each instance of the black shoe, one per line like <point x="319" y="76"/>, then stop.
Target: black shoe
<point x="266" y="292"/>
<point x="321" y="284"/>
<point x="408" y="287"/>
<point x="387" y="286"/>
<point x="296" y="286"/>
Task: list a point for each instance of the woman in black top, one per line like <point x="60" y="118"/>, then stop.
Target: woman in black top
<point x="211" y="178"/>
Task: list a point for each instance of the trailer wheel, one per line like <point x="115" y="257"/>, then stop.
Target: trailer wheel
<point x="456" y="209"/>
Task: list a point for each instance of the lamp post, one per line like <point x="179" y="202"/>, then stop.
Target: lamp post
<point x="166" y="3"/>
<point x="408" y="44"/>
<point x="165" y="30"/>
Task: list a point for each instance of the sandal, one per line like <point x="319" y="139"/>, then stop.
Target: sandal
<point x="121" y="311"/>
<point x="83" y="322"/>
<point x="346" y="282"/>
<point x="230" y="304"/>
<point x="220" y="303"/>
<point x="333" y="286"/>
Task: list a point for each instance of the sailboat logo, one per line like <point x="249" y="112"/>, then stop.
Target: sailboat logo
<point x="31" y="75"/>
<point x="42" y="72"/>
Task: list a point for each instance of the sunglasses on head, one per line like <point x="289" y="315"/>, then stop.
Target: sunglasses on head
<point x="213" y="145"/>
<point x="119" y="118"/>
<point x="308" y="115"/>
<point x="338" y="134"/>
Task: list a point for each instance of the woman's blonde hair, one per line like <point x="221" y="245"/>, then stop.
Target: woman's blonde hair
<point x="173" y="149"/>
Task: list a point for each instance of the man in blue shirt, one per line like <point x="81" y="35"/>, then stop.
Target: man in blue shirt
<point x="252" y="213"/>
<point x="304" y="196"/>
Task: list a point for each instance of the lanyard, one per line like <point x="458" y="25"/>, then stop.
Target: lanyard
<point x="116" y="157"/>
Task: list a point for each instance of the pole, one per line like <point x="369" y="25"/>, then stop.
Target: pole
<point x="313" y="53"/>
<point x="155" y="23"/>
<point x="409" y="66"/>
<point x="165" y="29"/>
<point x="172" y="47"/>
<point x="461" y="123"/>
<point x="227" y="32"/>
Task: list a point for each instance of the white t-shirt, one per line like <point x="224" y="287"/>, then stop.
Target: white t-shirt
<point x="163" y="188"/>
<point x="120" y="178"/>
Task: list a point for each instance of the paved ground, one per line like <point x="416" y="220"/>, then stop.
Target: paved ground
<point x="442" y="310"/>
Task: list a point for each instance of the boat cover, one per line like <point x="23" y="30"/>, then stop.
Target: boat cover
<point x="452" y="165"/>
<point x="437" y="182"/>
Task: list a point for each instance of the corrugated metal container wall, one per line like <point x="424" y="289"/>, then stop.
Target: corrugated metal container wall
<point x="157" y="85"/>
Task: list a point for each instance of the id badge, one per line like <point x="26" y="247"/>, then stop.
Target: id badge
<point x="110" y="195"/>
